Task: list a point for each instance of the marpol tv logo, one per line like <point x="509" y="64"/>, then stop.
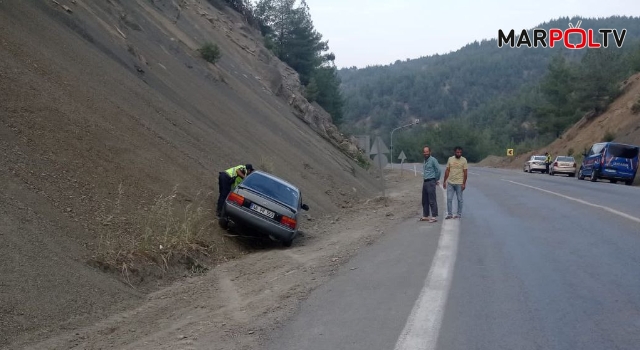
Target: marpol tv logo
<point x="572" y="38"/>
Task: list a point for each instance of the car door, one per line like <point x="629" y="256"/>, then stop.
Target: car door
<point x="592" y="158"/>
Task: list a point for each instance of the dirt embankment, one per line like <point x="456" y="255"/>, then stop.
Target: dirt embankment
<point x="112" y="132"/>
<point x="238" y="304"/>
<point x="620" y="123"/>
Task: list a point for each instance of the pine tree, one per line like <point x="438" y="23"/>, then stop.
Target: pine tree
<point x="290" y="33"/>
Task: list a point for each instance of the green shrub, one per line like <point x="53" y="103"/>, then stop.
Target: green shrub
<point x="362" y="161"/>
<point x="609" y="136"/>
<point x="636" y="107"/>
<point x="210" y="52"/>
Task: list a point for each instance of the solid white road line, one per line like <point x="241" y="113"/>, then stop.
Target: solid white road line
<point x="423" y="325"/>
<point x="617" y="212"/>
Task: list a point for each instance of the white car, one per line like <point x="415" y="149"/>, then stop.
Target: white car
<point x="563" y="165"/>
<point x="535" y="163"/>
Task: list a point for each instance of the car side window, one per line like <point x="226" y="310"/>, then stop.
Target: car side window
<point x="597" y="148"/>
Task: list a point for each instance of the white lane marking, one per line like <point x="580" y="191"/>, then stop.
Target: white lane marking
<point x="423" y="325"/>
<point x="472" y="173"/>
<point x="617" y="212"/>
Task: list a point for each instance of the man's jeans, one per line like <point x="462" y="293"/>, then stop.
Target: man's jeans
<point x="451" y="189"/>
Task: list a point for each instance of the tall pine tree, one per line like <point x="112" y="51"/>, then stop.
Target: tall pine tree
<point x="290" y="33"/>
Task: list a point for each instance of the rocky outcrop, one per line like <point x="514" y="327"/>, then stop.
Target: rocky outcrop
<point x="279" y="79"/>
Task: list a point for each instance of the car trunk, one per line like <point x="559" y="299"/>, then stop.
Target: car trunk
<point x="264" y="205"/>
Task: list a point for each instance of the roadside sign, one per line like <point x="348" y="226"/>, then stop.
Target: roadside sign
<point x="510" y="152"/>
<point x="379" y="147"/>
<point x="380" y="160"/>
<point x="402" y="158"/>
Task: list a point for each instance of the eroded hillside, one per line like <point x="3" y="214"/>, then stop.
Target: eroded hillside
<point x="110" y="122"/>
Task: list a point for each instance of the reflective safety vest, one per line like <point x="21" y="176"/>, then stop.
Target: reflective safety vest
<point x="548" y="160"/>
<point x="232" y="173"/>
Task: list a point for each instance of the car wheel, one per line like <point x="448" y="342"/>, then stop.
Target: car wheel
<point x="580" y="174"/>
<point x="613" y="181"/>
<point x="287" y="242"/>
<point x="594" y="176"/>
<point x="223" y="221"/>
<point x="628" y="182"/>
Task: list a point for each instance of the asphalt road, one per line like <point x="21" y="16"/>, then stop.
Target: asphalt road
<point x="532" y="265"/>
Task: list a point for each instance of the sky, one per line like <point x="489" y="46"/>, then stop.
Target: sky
<point x="379" y="32"/>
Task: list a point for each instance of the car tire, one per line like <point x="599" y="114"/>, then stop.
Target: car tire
<point x="594" y="176"/>
<point x="223" y="221"/>
<point x="613" y="181"/>
<point x="580" y="174"/>
<point x="628" y="182"/>
<point x="287" y="242"/>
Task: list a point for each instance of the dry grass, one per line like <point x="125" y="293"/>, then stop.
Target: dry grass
<point x="169" y="232"/>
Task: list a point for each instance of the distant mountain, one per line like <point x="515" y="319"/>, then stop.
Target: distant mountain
<point x="438" y="87"/>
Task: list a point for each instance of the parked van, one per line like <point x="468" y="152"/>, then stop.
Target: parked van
<point x="611" y="161"/>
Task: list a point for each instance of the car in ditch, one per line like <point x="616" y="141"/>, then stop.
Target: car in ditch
<point x="266" y="204"/>
<point x="535" y="163"/>
<point x="563" y="165"/>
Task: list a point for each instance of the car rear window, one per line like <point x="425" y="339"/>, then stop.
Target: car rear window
<point x="539" y="158"/>
<point x="273" y="189"/>
<point x="566" y="159"/>
<point x="622" y="151"/>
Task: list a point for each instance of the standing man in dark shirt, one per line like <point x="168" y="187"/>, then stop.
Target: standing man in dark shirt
<point x="432" y="173"/>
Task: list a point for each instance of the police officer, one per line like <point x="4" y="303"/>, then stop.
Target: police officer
<point x="228" y="180"/>
<point x="547" y="161"/>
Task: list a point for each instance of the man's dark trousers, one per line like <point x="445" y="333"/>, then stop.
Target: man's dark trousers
<point x="224" y="187"/>
<point x="429" y="198"/>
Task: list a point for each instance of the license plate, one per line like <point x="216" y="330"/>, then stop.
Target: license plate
<point x="263" y="211"/>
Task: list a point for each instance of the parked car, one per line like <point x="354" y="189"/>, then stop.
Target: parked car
<point x="611" y="161"/>
<point x="267" y="204"/>
<point x="535" y="163"/>
<point x="563" y="165"/>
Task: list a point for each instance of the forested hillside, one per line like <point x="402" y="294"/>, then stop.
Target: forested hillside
<point x="289" y="33"/>
<point x="488" y="98"/>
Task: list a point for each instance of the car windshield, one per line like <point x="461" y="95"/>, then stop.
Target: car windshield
<point x="623" y="151"/>
<point x="539" y="158"/>
<point x="273" y="189"/>
<point x="566" y="159"/>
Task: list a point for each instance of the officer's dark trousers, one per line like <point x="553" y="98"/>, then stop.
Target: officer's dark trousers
<point x="224" y="187"/>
